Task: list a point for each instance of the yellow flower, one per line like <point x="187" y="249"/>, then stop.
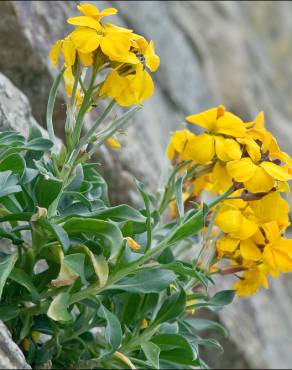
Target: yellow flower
<point x="134" y="245"/>
<point x="277" y="253"/>
<point x="233" y="222"/>
<point x="271" y="207"/>
<point x="257" y="178"/>
<point x="218" y="121"/>
<point x="90" y="10"/>
<point x="130" y="89"/>
<point x="220" y="178"/>
<point x="114" y="143"/>
<point x="178" y="143"/>
<point x="251" y="281"/>
<point x="144" y="324"/>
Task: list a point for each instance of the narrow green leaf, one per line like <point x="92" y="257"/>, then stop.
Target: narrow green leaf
<point x="146" y="281"/>
<point x="61" y="235"/>
<point x="151" y="352"/>
<point x="58" y="308"/>
<point x="146" y="200"/>
<point x="8" y="184"/>
<point x="39" y="144"/>
<point x="8" y="312"/>
<point x="113" y="331"/>
<point x="6" y="265"/>
<point x="172" y="308"/>
<point x="204" y="324"/>
<point x="22" y="278"/>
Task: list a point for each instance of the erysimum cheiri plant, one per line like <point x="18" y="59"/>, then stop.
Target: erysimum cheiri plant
<point x="87" y="285"/>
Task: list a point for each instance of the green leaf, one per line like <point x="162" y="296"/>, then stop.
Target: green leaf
<point x="106" y="231"/>
<point x="223" y="298"/>
<point x="6" y="265"/>
<point x="24" y="216"/>
<point x="11" y="139"/>
<point x="61" y="235"/>
<point x="39" y="144"/>
<point x="8" y="312"/>
<point x="174" y="348"/>
<point x="191" y="226"/>
<point x="146" y="281"/>
<point x="14" y="163"/>
<point x="58" y="308"/>
<point x="72" y="267"/>
<point x="120" y="213"/>
<point x="11" y="236"/>
<point x="151" y="352"/>
<point x="219" y="300"/>
<point x="172" y="307"/>
<point x="8" y="184"/>
<point x="210" y="342"/>
<point x="146" y="200"/>
<point x="113" y="331"/>
<point x="179" y="268"/>
<point x="22" y="278"/>
<point x="204" y="324"/>
<point x="46" y="190"/>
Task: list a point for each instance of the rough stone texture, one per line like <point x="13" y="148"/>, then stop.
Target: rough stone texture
<point x="230" y="52"/>
<point x="10" y="355"/>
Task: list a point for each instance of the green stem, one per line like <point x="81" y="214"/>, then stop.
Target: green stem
<point x="51" y="104"/>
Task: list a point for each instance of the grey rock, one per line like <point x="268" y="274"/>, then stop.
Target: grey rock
<point x="10" y="355"/>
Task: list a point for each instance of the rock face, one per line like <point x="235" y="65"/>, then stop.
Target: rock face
<point x="222" y="52"/>
<point x="10" y="355"/>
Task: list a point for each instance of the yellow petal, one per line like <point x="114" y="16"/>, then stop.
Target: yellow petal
<point x="152" y="60"/>
<point x="142" y="85"/>
<point x="85" y="21"/>
<point x="252" y="148"/>
<point x="229" y="221"/>
<point x="86" y="58"/>
<point x="114" y="143"/>
<point x="205" y="119"/>
<point x="283" y="187"/>
<point x="275" y="171"/>
<point x="247" y="229"/>
<point x="271" y="207"/>
<point x="69" y="52"/>
<point x="118" y="88"/>
<point x="85" y="39"/>
<point x="55" y="52"/>
<point x="241" y="170"/>
<point x="227" y="149"/>
<point x="200" y="149"/>
<point x="88" y="9"/>
<point x="227" y="244"/>
<point x="69" y="80"/>
<point x="250" y="251"/>
<point x="220" y="178"/>
<point x="231" y="125"/>
<point x="108" y="11"/>
<point x="116" y="44"/>
<point x="260" y="182"/>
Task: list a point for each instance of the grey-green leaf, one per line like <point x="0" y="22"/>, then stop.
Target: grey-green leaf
<point x="8" y="184"/>
<point x="107" y="231"/>
<point x="113" y="331"/>
<point x="58" y="307"/>
<point x="6" y="265"/>
<point x="151" y="352"/>
<point x="146" y="281"/>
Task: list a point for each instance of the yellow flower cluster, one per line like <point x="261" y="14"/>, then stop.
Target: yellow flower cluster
<point x="251" y="221"/>
<point x="125" y="56"/>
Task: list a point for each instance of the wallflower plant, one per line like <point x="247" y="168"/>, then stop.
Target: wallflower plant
<point x="84" y="284"/>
